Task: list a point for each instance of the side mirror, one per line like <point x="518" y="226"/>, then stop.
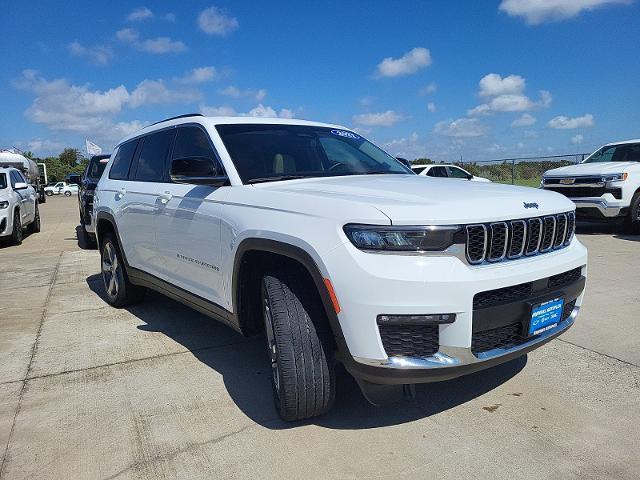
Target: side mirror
<point x="197" y="171"/>
<point x="20" y="186"/>
<point x="469" y="177"/>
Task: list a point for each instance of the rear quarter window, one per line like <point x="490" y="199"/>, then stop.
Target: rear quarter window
<point x="122" y="161"/>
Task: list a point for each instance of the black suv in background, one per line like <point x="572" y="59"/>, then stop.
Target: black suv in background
<point x="88" y="181"/>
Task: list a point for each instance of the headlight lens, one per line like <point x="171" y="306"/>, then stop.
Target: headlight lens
<point x="615" y="177"/>
<point x="402" y="239"/>
<point x="4" y="204"/>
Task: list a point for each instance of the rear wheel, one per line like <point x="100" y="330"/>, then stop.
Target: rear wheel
<point x="299" y="346"/>
<point x="120" y="291"/>
<point x="17" y="234"/>
<point x="34" y="227"/>
<point x="633" y="219"/>
<point x="48" y="193"/>
<point x="67" y="193"/>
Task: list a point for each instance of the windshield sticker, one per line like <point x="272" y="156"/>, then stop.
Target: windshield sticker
<point x="344" y="133"/>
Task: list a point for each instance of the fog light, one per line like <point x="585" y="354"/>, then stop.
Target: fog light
<point x="434" y="319"/>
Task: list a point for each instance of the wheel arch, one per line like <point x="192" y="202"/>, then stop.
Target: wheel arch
<point x="289" y="252"/>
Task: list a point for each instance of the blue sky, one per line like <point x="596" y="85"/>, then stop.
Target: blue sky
<point x="484" y="80"/>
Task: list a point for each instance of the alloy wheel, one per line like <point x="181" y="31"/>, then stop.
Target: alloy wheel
<point x="110" y="270"/>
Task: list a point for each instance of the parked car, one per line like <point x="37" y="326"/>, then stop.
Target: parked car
<point x="18" y="206"/>
<point x="446" y="171"/>
<point x="88" y="182"/>
<point x="605" y="186"/>
<point x="60" y="188"/>
<point x="337" y="252"/>
<point x="27" y="167"/>
<point x="70" y="189"/>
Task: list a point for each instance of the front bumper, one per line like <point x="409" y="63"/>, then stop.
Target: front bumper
<point x="606" y="207"/>
<point x="396" y="284"/>
<point x="6" y="222"/>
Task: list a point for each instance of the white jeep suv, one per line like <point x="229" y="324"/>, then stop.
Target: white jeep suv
<point x="335" y="250"/>
<point x="605" y="186"/>
<point x="18" y="206"/>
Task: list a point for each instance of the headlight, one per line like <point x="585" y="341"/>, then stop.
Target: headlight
<point x="4" y="204"/>
<point x="615" y="177"/>
<point x="402" y="239"/>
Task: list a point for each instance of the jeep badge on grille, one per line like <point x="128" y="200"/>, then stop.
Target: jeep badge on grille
<point x="531" y="205"/>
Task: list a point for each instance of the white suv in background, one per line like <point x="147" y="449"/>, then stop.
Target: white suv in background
<point x="446" y="171"/>
<point x="605" y="186"/>
<point x="18" y="206"/>
<point x="334" y="249"/>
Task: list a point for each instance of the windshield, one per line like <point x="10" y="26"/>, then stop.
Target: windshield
<point x="96" y="167"/>
<point x="628" y="152"/>
<point x="280" y="152"/>
<point x="3" y="181"/>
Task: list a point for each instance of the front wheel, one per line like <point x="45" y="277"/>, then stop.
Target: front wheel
<point x="633" y="219"/>
<point x="48" y="193"/>
<point x="299" y="345"/>
<point x="67" y="193"/>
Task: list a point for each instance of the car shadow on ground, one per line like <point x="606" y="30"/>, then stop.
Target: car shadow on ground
<point x="243" y="364"/>
<point x="83" y="241"/>
<point x="603" y="228"/>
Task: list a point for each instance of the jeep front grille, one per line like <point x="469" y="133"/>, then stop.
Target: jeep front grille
<point x="499" y="241"/>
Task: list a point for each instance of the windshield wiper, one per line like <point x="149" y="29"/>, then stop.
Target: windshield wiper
<point x="274" y="179"/>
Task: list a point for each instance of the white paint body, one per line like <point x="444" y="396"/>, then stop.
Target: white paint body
<point x="23" y="200"/>
<point x="158" y="222"/>
<point x="607" y="204"/>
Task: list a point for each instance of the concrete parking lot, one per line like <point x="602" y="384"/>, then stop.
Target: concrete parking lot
<point x="160" y="391"/>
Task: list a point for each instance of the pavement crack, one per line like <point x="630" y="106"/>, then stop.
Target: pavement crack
<point x="179" y="451"/>
<point x="34" y="349"/>
<point x="598" y="353"/>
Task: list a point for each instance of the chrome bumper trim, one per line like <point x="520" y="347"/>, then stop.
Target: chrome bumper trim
<point x="457" y="356"/>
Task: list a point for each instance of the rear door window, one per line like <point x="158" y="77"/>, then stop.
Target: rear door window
<point x="122" y="161"/>
<point x="151" y="163"/>
<point x="437" y="172"/>
<point x="456" y="172"/>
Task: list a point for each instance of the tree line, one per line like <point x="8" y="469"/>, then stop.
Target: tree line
<point x="70" y="161"/>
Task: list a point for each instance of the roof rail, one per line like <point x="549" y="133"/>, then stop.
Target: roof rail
<point x="179" y="116"/>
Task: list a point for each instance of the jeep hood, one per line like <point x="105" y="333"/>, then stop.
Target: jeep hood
<point x="414" y="199"/>
<point x="596" y="168"/>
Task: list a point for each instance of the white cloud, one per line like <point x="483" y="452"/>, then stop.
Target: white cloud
<point x="235" y="92"/>
<point x="492" y="85"/>
<point x="258" y="111"/>
<point x="97" y="54"/>
<point x="530" y="134"/>
<point x="214" y="21"/>
<point x="40" y="146"/>
<point x="138" y="14"/>
<point x="149" y="92"/>
<point x="409" y="63"/>
<point x="506" y="95"/>
<point x="199" y="75"/>
<point x="431" y="107"/>
<point x="577" y="139"/>
<point x="170" y="17"/>
<point x="538" y="11"/>
<point x="410" y="147"/>
<point x="367" y="101"/>
<point x="161" y="45"/>
<point x="156" y="46"/>
<point x="525" y="120"/>
<point x="565" y="123"/>
<point x="428" y="89"/>
<point x="461" y="128"/>
<point x="382" y="119"/>
<point x="127" y="35"/>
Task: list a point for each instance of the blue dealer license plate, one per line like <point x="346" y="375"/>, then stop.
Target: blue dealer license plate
<point x="546" y="315"/>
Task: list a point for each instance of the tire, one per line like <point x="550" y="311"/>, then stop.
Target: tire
<point x="34" y="227"/>
<point x="299" y="345"/>
<point x="90" y="240"/>
<point x="119" y="291"/>
<point x="49" y="193"/>
<point x="17" y="234"/>
<point x="43" y="198"/>
<point x="632" y="223"/>
<point x="67" y="193"/>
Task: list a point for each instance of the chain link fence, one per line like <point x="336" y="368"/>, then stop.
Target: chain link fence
<point x="525" y="171"/>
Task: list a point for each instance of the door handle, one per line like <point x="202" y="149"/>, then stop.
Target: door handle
<point x="165" y="197"/>
<point x="121" y="193"/>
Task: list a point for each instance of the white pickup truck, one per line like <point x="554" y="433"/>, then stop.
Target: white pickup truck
<point x="61" y="188"/>
<point x="605" y="186"/>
